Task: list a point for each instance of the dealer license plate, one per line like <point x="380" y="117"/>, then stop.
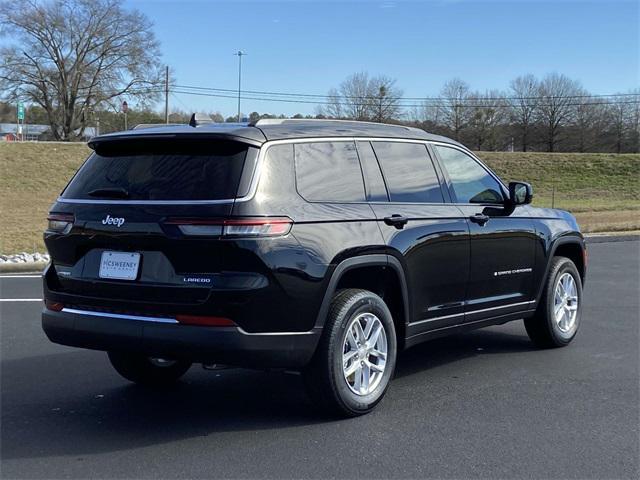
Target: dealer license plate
<point x="119" y="265"/>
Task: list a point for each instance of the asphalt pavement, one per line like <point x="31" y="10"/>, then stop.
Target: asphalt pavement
<point x="481" y="404"/>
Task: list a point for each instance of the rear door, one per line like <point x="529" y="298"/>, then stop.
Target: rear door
<point x="139" y="210"/>
<point x="426" y="233"/>
<point x="502" y="238"/>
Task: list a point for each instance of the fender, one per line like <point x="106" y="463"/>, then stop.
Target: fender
<point x="563" y="240"/>
<point x="362" y="261"/>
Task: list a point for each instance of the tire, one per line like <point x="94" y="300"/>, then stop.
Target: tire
<point x="146" y="370"/>
<point x="544" y="328"/>
<point x="326" y="381"/>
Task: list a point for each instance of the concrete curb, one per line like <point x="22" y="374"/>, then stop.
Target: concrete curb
<point x="24" y="267"/>
<point x="621" y="237"/>
<point x="38" y="267"/>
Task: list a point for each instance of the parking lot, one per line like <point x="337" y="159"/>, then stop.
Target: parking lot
<point x="481" y="404"/>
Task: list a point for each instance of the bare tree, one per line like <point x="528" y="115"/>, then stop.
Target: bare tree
<point x="72" y="56"/>
<point x="634" y="119"/>
<point x="361" y="97"/>
<point x="621" y="115"/>
<point x="524" y="102"/>
<point x="589" y="121"/>
<point x="355" y="96"/>
<point x="453" y="111"/>
<point x="487" y="114"/>
<point x="557" y="98"/>
<point x="385" y="105"/>
<point x="333" y="107"/>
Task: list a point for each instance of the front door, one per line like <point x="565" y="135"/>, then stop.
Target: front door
<point x="502" y="239"/>
<point x="429" y="236"/>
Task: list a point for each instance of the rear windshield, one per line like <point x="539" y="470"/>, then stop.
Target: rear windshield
<point x="161" y="170"/>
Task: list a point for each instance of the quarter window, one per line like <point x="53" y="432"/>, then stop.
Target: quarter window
<point x="408" y="172"/>
<point x="470" y="181"/>
<point x="329" y="172"/>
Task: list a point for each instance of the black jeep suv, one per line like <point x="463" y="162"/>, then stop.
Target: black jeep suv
<point x="320" y="246"/>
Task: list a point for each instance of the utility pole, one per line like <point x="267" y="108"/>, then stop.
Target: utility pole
<point x="239" y="54"/>
<point x="166" y="95"/>
<point x="125" y="110"/>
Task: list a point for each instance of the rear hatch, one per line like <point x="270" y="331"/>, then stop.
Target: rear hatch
<point x="137" y="223"/>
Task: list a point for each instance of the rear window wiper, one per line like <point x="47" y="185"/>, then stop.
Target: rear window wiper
<point x="112" y="192"/>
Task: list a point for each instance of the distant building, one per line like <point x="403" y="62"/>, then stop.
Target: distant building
<point x="34" y="132"/>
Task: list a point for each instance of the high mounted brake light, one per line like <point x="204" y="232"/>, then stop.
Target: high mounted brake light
<point x="237" y="227"/>
<point x="60" y="222"/>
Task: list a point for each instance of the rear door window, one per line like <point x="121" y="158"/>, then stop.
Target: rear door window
<point x="161" y="170"/>
<point x="329" y="172"/>
<point x="408" y="172"/>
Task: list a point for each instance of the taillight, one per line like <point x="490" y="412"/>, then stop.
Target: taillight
<point x="205" y="320"/>
<point x="60" y="222"/>
<point x="237" y="227"/>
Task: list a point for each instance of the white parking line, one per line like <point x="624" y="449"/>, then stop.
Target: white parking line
<point x="20" y="299"/>
<point x="20" y="276"/>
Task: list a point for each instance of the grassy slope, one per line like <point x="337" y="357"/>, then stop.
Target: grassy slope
<point x="602" y="189"/>
<point x="33" y="175"/>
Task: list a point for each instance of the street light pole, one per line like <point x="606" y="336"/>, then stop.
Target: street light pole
<point x="239" y="54"/>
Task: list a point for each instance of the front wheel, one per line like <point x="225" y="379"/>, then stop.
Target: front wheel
<point x="145" y="370"/>
<point x="356" y="357"/>
<point x="557" y="318"/>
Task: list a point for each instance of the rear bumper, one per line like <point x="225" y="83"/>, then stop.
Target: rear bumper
<point x="164" y="337"/>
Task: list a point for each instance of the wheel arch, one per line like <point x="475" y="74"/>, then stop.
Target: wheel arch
<point x="574" y="248"/>
<point x="356" y="272"/>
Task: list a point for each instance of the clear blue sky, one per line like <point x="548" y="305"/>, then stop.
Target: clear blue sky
<point x="308" y="47"/>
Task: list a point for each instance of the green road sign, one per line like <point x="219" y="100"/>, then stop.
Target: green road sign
<point x="21" y="111"/>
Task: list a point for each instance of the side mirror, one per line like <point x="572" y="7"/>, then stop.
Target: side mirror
<point x="520" y="193"/>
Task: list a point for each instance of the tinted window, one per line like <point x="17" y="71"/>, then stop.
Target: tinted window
<point x="409" y="172"/>
<point x="161" y="171"/>
<point x="471" y="182"/>
<point x="376" y="190"/>
<point x="329" y="172"/>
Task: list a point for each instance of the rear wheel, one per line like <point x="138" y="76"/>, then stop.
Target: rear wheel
<point x="557" y="319"/>
<point x="355" y="360"/>
<point x="146" y="370"/>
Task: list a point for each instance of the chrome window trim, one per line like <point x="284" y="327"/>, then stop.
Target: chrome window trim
<point x="529" y="302"/>
<point x="255" y="178"/>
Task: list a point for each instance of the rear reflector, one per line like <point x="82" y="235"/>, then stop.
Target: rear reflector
<point x="237" y="227"/>
<point x="201" y="230"/>
<point x="55" y="306"/>
<point x="205" y="321"/>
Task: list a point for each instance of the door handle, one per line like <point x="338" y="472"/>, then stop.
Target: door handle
<point x="396" y="220"/>
<point x="480" y="219"/>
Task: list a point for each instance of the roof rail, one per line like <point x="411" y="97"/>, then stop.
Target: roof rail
<point x="280" y="121"/>
<point x="141" y="126"/>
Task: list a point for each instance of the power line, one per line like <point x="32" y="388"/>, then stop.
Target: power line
<point x="461" y="104"/>
<point x="372" y="97"/>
